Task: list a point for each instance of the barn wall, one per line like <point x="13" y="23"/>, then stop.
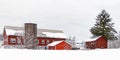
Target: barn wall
<point x="9" y="38"/>
<point x="51" y="47"/>
<point x="99" y="43"/>
<point x="63" y="46"/>
<point x="90" y="45"/>
<point x="19" y="41"/>
<point x="39" y="40"/>
<point x="50" y="40"/>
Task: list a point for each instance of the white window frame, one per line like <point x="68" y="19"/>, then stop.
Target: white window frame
<point x="37" y="41"/>
<point x="48" y="42"/>
<point x="12" y="40"/>
<point x="43" y="41"/>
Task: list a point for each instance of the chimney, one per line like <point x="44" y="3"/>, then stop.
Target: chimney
<point x="30" y="35"/>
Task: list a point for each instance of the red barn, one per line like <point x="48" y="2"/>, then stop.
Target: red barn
<point x="59" y="45"/>
<point x="14" y="37"/>
<point x="99" y="42"/>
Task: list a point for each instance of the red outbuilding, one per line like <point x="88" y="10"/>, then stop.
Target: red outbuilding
<point x="99" y="42"/>
<point x="59" y="45"/>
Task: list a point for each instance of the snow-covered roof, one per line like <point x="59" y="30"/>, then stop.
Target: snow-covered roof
<point x="54" y="43"/>
<point x="14" y="32"/>
<point x="56" y="35"/>
<point x="93" y="39"/>
<point x="11" y="30"/>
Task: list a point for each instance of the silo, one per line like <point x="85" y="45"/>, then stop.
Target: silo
<point x="30" y="35"/>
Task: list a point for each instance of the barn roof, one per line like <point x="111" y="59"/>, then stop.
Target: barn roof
<point x="54" y="43"/>
<point x="93" y="39"/>
<point x="12" y="30"/>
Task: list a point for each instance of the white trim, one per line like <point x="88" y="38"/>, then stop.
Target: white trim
<point x="12" y="40"/>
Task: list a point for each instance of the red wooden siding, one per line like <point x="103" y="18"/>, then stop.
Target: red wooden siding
<point x="61" y="46"/>
<point x="16" y="38"/>
<point x="50" y="40"/>
<point x="99" y="43"/>
<point x="39" y="40"/>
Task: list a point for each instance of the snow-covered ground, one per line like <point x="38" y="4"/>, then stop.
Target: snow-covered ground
<point x="24" y="54"/>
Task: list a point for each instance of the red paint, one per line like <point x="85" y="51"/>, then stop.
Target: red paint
<point x="16" y="38"/>
<point x="47" y="38"/>
<point x="99" y="43"/>
<point x="39" y="40"/>
<point x="9" y="38"/>
<point x="61" y="46"/>
<point x="5" y="37"/>
<point x="51" y="48"/>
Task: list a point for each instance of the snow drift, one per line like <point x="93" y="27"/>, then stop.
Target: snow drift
<point x="24" y="54"/>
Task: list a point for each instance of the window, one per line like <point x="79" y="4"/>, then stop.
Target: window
<point x="93" y="43"/>
<point x="48" y="41"/>
<point x="37" y="41"/>
<point x="12" y="40"/>
<point x="45" y="48"/>
<point x="43" y="42"/>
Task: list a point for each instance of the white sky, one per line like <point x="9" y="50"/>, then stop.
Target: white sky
<point x="74" y="17"/>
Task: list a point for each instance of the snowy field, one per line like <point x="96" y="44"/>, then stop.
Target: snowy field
<point x="98" y="54"/>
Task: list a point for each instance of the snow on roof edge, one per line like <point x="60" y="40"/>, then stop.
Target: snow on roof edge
<point x="54" y="43"/>
<point x="93" y="39"/>
<point x="55" y="35"/>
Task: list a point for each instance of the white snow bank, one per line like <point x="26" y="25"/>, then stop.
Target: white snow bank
<point x="55" y="35"/>
<point x="24" y="54"/>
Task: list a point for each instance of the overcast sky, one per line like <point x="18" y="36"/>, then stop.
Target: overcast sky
<point x="74" y="17"/>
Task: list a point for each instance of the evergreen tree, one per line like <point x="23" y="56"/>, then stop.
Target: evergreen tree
<point x="104" y="27"/>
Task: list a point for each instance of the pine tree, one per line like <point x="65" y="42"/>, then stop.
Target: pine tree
<point x="104" y="27"/>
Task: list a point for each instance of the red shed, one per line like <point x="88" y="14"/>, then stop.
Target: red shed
<point x="99" y="42"/>
<point x="59" y="45"/>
